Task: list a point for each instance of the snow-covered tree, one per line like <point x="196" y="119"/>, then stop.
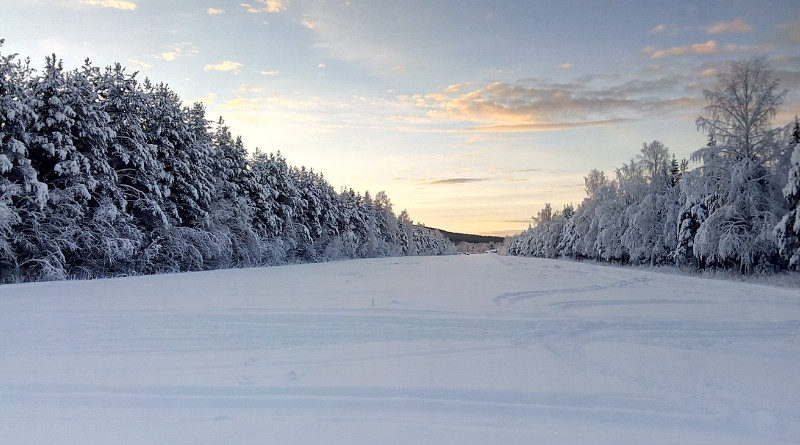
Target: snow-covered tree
<point x="740" y="165"/>
<point x="22" y="196"/>
<point x="101" y="176"/>
<point x="787" y="231"/>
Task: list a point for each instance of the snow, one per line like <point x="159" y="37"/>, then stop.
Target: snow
<point x="466" y="349"/>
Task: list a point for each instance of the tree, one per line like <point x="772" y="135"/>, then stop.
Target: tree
<point x="739" y="166"/>
<point x="788" y="229"/>
<point x="22" y="195"/>
<point x="740" y="109"/>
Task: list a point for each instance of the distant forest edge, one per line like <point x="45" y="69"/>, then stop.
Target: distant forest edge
<point x="102" y="175"/>
<point x="456" y="237"/>
<point x="738" y="209"/>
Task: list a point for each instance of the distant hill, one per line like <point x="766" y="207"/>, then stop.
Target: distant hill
<point x="470" y="238"/>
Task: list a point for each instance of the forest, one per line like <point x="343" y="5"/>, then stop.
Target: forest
<point x="104" y="175"/>
<point x="737" y="209"/>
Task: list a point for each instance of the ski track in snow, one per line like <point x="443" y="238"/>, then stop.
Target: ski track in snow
<point x="463" y="349"/>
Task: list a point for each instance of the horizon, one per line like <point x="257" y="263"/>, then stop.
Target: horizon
<point x="441" y="107"/>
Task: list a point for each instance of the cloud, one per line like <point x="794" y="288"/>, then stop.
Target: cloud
<point x="709" y="47"/>
<point x="213" y="11"/>
<point x="114" y="4"/>
<point x="671" y="29"/>
<point x="182" y="49"/>
<point x="449" y="181"/>
<point x="761" y="48"/>
<point x="308" y="23"/>
<point x="708" y="72"/>
<point x="321" y="65"/>
<point x="140" y="64"/>
<point x="556" y="126"/>
<point x="565" y="66"/>
<point x="456" y="87"/>
<point x="272" y="103"/>
<point x="788" y="33"/>
<point x="533" y="105"/>
<point x="226" y="65"/>
<point x="366" y="35"/>
<point x="243" y="104"/>
<point x="207" y="99"/>
<point x="735" y="26"/>
<point x="268" y="73"/>
<point x="168" y="56"/>
<point x="245" y="88"/>
<point x="265" y="6"/>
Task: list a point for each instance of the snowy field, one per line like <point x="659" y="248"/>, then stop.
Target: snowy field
<point x="478" y="349"/>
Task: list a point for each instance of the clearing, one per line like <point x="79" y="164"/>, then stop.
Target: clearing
<point x="458" y="350"/>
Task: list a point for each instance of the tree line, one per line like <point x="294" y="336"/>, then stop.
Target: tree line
<point x="103" y="175"/>
<point x="738" y="209"/>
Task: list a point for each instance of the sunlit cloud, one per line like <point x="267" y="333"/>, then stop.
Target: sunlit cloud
<point x="169" y="56"/>
<point x="265" y="6"/>
<point x="206" y="99"/>
<point x="565" y="66"/>
<point x="275" y="103"/>
<point x="735" y="26"/>
<point x="321" y="65"/>
<point x="214" y="11"/>
<point x="558" y="126"/>
<point x="548" y="106"/>
<point x="226" y="65"/>
<point x="268" y="73"/>
<point x="139" y="64"/>
<point x="114" y="4"/>
<point x="457" y="87"/>
<point x="245" y="88"/>
<point x="709" y="47"/>
<point x="243" y="103"/>
<point x="308" y="23"/>
<point x="182" y="49"/>
<point x="658" y="29"/>
<point x="708" y="72"/>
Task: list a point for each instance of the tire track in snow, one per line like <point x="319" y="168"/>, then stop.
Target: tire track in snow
<point x="510" y="298"/>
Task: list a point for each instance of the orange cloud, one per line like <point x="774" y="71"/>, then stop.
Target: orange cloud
<point x="735" y="26"/>
<point x="554" y="126"/>
<point x="709" y="47"/>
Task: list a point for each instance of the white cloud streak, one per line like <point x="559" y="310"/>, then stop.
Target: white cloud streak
<point x="113" y="4"/>
<point x="226" y="65"/>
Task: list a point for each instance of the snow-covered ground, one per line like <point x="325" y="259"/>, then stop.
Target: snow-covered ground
<point x="456" y="350"/>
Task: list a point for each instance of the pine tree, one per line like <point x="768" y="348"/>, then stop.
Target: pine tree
<point x="22" y="196"/>
<point x="787" y="231"/>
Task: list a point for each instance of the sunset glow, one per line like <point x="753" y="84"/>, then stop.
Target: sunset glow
<point x="469" y="114"/>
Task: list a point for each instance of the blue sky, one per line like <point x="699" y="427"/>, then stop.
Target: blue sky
<point x="470" y="114"/>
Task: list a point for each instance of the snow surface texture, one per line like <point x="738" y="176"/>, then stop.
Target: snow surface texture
<point x="455" y="350"/>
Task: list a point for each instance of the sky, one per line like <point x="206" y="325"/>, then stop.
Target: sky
<point x="469" y="114"/>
